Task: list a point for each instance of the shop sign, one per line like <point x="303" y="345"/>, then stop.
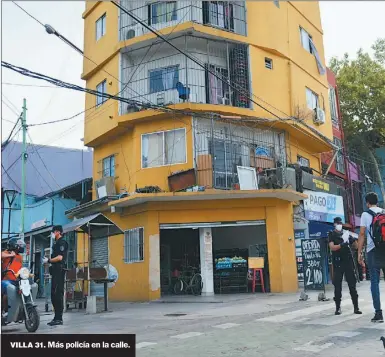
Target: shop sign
<point x="316" y="183"/>
<point x="313" y="257"/>
<point x="323" y="207"/>
<point x="299" y="234"/>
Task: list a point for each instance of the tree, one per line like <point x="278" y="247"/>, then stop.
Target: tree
<point x="361" y="88"/>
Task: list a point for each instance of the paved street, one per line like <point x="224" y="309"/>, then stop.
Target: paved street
<point x="272" y="325"/>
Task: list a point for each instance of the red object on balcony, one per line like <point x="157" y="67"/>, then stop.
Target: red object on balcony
<point x="181" y="180"/>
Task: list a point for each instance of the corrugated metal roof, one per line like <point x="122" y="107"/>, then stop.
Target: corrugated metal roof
<point x="67" y="166"/>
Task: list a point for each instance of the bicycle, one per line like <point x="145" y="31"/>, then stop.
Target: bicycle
<point x="195" y="284"/>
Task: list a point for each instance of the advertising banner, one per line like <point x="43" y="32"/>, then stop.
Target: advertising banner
<point x="323" y="207"/>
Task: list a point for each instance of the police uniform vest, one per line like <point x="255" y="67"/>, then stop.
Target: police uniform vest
<point x="343" y="256"/>
<point x="59" y="248"/>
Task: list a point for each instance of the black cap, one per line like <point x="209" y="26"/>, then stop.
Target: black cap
<point x="57" y="228"/>
<point x="337" y="220"/>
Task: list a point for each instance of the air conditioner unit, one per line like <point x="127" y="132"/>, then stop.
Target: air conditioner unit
<point x="105" y="187"/>
<point x="286" y="177"/>
<point x="132" y="108"/>
<point x="160" y="99"/>
<point x="130" y="34"/>
<point x="319" y="116"/>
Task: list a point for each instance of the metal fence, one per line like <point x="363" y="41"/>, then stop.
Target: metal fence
<point x="161" y="75"/>
<point x="225" y="15"/>
<point x="221" y="146"/>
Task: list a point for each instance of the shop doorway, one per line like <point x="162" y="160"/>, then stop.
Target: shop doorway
<point x="179" y="258"/>
<point x="232" y="248"/>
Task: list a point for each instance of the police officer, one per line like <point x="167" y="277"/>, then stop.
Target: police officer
<point x="58" y="263"/>
<point x="340" y="243"/>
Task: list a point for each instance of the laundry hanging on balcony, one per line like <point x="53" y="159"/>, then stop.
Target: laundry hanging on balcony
<point x="321" y="68"/>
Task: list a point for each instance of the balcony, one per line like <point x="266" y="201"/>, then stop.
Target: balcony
<point x="224" y="15"/>
<point x="159" y="74"/>
<point x="220" y="147"/>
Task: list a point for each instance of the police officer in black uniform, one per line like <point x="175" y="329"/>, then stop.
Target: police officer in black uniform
<point x="340" y="244"/>
<point x="58" y="263"/>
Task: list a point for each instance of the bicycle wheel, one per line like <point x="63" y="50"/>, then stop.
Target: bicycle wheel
<point x="178" y="287"/>
<point x="197" y="284"/>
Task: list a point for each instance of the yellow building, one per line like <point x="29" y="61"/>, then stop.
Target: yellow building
<point x="244" y="87"/>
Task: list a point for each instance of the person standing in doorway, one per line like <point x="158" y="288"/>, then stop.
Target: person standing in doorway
<point x="375" y="257"/>
<point x="57" y="271"/>
<point x="340" y="243"/>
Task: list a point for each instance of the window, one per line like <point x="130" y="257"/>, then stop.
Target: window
<point x="276" y="3"/>
<point x="163" y="79"/>
<point x="161" y="12"/>
<point x="101" y="88"/>
<point x="333" y="106"/>
<point x="311" y="99"/>
<point x="101" y="27"/>
<point x="306" y="40"/>
<point x="340" y="164"/>
<point x="133" y="245"/>
<point x="164" y="148"/>
<point x="109" y="166"/>
<point x="217" y="90"/>
<point x="268" y="63"/>
<point x="219" y="13"/>
<point x="302" y="161"/>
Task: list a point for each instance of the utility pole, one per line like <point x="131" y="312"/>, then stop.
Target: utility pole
<point x="23" y="161"/>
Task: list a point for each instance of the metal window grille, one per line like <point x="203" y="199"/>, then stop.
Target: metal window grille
<point x="133" y="245"/>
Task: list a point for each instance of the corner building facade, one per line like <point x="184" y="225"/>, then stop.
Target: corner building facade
<point x="251" y="93"/>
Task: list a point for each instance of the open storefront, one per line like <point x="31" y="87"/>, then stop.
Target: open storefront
<point x="218" y="252"/>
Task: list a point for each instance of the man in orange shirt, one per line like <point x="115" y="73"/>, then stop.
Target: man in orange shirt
<point x="11" y="259"/>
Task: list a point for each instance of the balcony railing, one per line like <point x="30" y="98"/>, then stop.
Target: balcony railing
<point x="222" y="146"/>
<point x="161" y="75"/>
<point x="225" y="15"/>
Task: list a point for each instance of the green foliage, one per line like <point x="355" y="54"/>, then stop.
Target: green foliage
<point x="361" y="86"/>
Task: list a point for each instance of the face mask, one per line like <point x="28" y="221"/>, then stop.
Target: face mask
<point x="339" y="227"/>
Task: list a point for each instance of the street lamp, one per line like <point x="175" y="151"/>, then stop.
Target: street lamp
<point x="51" y="31"/>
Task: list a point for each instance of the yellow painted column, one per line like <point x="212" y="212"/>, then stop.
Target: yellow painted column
<point x="281" y="248"/>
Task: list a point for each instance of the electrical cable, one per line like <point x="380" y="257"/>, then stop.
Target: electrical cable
<point x="49" y="172"/>
<point x="13" y="105"/>
<point x="125" y="85"/>
<point x="13" y="110"/>
<point x="28" y="14"/>
<point x="9" y="176"/>
<point x="6" y="142"/>
<point x="194" y="60"/>
<point x="197" y="61"/>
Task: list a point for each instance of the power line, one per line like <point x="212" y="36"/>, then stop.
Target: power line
<point x="33" y="17"/>
<point x="28" y="85"/>
<point x="191" y="58"/>
<point x="13" y="110"/>
<point x="9" y="176"/>
<point x="4" y="145"/>
<point x="128" y="82"/>
<point x="13" y="105"/>
<point x="9" y="121"/>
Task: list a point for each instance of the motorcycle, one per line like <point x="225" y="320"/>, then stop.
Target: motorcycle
<point x="21" y="305"/>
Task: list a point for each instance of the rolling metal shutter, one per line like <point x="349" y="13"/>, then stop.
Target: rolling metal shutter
<point x="99" y="258"/>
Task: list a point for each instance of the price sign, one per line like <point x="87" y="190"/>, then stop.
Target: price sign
<point x="313" y="257"/>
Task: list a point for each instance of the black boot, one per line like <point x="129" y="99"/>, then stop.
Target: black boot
<point x="338" y="308"/>
<point x="355" y="304"/>
<point x="357" y="310"/>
